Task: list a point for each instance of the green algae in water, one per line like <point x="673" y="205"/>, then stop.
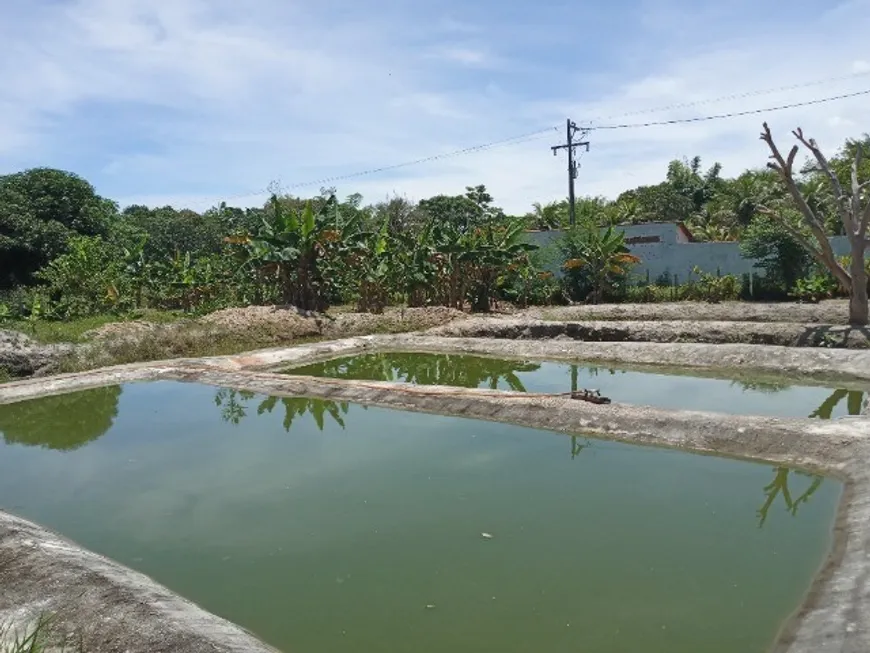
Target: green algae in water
<point x="329" y="527"/>
<point x="624" y="386"/>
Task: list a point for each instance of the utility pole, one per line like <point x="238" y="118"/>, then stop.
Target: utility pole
<point x="570" y="131"/>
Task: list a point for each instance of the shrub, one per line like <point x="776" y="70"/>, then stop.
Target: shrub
<point x="85" y="280"/>
<point x="821" y="284"/>
<point x="713" y="288"/>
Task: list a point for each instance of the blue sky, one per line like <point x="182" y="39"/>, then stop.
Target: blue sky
<point x="193" y="101"/>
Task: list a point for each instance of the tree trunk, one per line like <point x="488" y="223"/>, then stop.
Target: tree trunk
<point x="859" y="312"/>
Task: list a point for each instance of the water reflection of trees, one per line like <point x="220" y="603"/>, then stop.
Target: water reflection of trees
<point x="854" y="398"/>
<point x="779" y="487"/>
<point x="460" y="370"/>
<point x="764" y="387"/>
<point x="62" y="422"/>
<point x="854" y="401"/>
<point x="235" y="404"/>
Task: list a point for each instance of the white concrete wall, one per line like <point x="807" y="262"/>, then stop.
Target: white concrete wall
<point x="679" y="259"/>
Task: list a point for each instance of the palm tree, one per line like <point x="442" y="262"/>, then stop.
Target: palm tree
<point x="547" y="216"/>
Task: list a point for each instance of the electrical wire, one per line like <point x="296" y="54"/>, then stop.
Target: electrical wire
<point x="435" y="157"/>
<point x="541" y="132"/>
<point x="734" y="96"/>
<point x="723" y="116"/>
<point x="528" y="136"/>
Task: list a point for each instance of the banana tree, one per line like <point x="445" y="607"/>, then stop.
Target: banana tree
<point x="292" y="246"/>
<point x="137" y="268"/>
<point x="451" y="251"/>
<point x="595" y="259"/>
<point x="417" y="265"/>
<point x="489" y="250"/>
<point x="372" y="260"/>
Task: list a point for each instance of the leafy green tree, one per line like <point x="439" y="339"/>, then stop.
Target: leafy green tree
<point x="487" y="212"/>
<point x="685" y="178"/>
<point x="783" y="259"/>
<point x="86" y="280"/>
<point x="467" y="211"/>
<point x="40" y="210"/>
<point x="659" y="203"/>
<point x="403" y="215"/>
<point x="170" y="231"/>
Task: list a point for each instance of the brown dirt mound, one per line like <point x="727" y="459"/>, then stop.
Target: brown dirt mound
<point x="131" y="329"/>
<point x="284" y="322"/>
<point x="289" y="323"/>
<point x="392" y="320"/>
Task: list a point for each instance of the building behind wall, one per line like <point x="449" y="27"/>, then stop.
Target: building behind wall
<point x="667" y="250"/>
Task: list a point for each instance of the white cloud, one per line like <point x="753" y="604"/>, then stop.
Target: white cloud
<point x="465" y="55"/>
<point x="192" y="101"/>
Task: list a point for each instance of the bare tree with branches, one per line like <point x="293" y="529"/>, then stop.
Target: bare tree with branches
<point x="853" y="208"/>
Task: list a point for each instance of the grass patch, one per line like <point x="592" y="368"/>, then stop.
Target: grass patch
<point x="41" y="637"/>
<point x="56" y="331"/>
<point x="182" y="341"/>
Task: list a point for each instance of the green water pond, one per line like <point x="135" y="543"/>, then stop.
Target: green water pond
<point x="329" y="527"/>
<point x="672" y="391"/>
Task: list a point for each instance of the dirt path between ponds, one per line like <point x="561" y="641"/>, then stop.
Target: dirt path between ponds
<point x="784" y="334"/>
<point x="834" y="311"/>
<point x="255" y="327"/>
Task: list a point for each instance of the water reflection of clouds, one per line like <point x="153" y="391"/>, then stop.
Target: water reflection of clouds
<point x="172" y="462"/>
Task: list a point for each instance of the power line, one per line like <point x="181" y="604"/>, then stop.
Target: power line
<point x="435" y="157"/>
<point x="541" y="132"/>
<point x="734" y="96"/>
<point x="538" y="133"/>
<point x="734" y="114"/>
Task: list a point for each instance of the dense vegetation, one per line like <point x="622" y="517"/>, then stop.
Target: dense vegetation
<point x="66" y="252"/>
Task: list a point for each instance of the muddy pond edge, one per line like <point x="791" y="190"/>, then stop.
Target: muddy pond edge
<point x="835" y="615"/>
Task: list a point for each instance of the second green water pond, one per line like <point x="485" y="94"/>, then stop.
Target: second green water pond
<point x="670" y="391"/>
